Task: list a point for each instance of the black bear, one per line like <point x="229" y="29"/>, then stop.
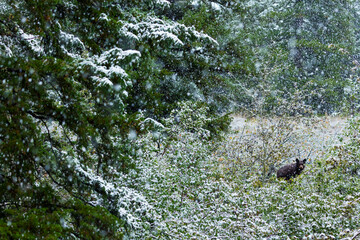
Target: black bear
<point x="291" y="170"/>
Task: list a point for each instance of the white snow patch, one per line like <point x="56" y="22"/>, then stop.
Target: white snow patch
<point x="113" y="57"/>
<point x="4" y="7"/>
<point x="104" y="17"/>
<point x="34" y="41"/>
<point x="5" y="50"/>
<point x="154" y="122"/>
<point x="162" y="30"/>
<point x="163" y="3"/>
<point x="125" y="201"/>
<point x="72" y="39"/>
<point x="195" y="3"/>
<point x="162" y="35"/>
<point x="103" y="80"/>
<point x="116" y="54"/>
<point x="215" y="6"/>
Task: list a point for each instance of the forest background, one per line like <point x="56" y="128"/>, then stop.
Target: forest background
<point x="115" y="119"/>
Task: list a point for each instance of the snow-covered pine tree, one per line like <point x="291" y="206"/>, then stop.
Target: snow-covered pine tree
<point x="68" y="70"/>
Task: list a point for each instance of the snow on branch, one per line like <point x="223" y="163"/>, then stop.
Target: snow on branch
<point x="154" y="123"/>
<point x="4" y="49"/>
<point x="216" y="6"/>
<point x="124" y="202"/>
<point x="33" y="41"/>
<point x="161" y="30"/>
<point x="107" y="65"/>
<point x="71" y="44"/>
<point x="118" y="56"/>
<point x="162" y="3"/>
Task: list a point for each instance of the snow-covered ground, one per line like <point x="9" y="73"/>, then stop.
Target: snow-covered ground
<point x="316" y="138"/>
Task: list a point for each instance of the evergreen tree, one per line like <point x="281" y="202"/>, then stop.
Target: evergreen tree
<point x="304" y="44"/>
<point x="325" y="40"/>
<point x="71" y="72"/>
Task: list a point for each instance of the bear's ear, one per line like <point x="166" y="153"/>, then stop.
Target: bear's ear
<point x="297" y="161"/>
<point x="304" y="161"/>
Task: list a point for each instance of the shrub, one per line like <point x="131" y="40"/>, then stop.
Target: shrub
<point x="345" y="157"/>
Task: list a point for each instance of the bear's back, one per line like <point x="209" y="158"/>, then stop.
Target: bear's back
<point x="287" y="171"/>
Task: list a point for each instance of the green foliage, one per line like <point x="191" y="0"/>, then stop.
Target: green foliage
<point x="33" y="224"/>
<point x="231" y="65"/>
<point x="309" y="43"/>
<point x="193" y="116"/>
<point x="73" y="220"/>
<point x="95" y="222"/>
<point x="75" y="75"/>
<point x="113" y="116"/>
<point x="197" y="197"/>
<point x="345" y="158"/>
<point x="175" y="163"/>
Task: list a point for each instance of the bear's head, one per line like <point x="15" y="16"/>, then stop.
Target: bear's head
<point x="300" y="164"/>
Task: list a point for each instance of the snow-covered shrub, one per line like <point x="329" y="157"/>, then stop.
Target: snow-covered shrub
<point x="310" y="208"/>
<point x="352" y="90"/>
<point x="269" y="138"/>
<point x="346" y="155"/>
<point x="177" y="171"/>
<point x="182" y="180"/>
